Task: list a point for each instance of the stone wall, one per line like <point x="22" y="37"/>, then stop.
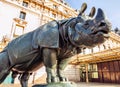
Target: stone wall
<point x="72" y="72"/>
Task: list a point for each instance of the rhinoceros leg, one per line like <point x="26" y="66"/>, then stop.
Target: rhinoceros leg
<point x="24" y="79"/>
<point x="4" y="65"/>
<point x="14" y="75"/>
<point x="61" y="66"/>
<point x="50" y="62"/>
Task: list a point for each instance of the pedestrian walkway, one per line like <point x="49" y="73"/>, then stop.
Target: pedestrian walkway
<point x="83" y="84"/>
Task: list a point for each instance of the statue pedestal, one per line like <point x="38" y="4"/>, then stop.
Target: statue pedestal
<point x="59" y="84"/>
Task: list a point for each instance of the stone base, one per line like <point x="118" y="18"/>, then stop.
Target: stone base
<point x="60" y="84"/>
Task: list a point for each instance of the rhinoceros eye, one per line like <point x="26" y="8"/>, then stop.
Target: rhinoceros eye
<point x="86" y="25"/>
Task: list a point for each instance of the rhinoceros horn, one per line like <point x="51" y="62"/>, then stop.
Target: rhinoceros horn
<point x="100" y="15"/>
<point x="83" y="8"/>
<point x="92" y="12"/>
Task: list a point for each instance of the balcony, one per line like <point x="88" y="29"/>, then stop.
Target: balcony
<point x="20" y="21"/>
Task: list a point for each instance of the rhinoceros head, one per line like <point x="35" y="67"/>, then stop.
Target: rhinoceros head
<point x="92" y="31"/>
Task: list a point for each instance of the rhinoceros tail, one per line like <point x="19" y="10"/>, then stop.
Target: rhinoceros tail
<point x="3" y="75"/>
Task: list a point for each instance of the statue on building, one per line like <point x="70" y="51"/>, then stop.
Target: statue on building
<point x="117" y="31"/>
<point x="53" y="44"/>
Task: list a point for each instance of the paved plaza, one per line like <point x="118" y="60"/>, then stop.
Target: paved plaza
<point x="81" y="84"/>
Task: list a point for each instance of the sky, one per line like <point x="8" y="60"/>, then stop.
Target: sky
<point x="110" y="7"/>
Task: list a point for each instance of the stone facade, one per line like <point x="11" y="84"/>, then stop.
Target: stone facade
<point x="21" y="16"/>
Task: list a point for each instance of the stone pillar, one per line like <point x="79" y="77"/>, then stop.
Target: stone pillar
<point x="87" y="79"/>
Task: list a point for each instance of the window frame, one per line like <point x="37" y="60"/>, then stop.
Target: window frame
<point x="22" y="15"/>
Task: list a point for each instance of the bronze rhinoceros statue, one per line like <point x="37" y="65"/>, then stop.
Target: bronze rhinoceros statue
<point x="53" y="44"/>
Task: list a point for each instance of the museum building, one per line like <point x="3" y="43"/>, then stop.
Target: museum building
<point x="100" y="64"/>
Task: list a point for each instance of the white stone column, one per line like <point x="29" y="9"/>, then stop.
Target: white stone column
<point x="87" y="79"/>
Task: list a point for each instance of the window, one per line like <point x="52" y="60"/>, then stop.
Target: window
<point x="94" y="70"/>
<point x="18" y="31"/>
<point x="22" y="15"/>
<point x="46" y="0"/>
<point x="95" y="75"/>
<point x="93" y="67"/>
<point x="25" y="4"/>
<point x="60" y="8"/>
<point x="33" y="5"/>
<point x="54" y="7"/>
<point x="66" y="12"/>
<point x="53" y="15"/>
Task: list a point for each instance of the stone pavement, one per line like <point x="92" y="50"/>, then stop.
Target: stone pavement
<point x="80" y="84"/>
<point x="83" y="84"/>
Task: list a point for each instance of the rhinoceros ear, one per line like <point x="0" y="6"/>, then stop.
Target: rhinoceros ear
<point x="83" y="8"/>
<point x="100" y="15"/>
<point x="92" y="12"/>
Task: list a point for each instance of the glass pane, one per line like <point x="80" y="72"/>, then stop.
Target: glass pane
<point x="25" y="4"/>
<point x="95" y="75"/>
<point x="22" y="15"/>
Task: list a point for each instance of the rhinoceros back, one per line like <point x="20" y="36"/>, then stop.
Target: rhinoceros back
<point x="47" y="36"/>
<point x="25" y="47"/>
